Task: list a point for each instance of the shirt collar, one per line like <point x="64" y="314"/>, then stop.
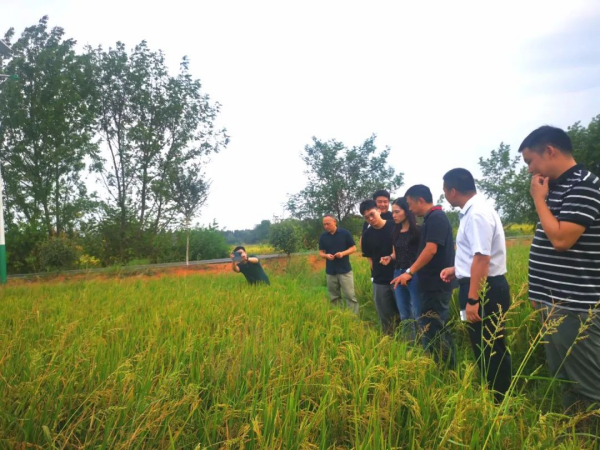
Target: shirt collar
<point x="435" y="208"/>
<point x="465" y="209"/>
<point x="566" y="174"/>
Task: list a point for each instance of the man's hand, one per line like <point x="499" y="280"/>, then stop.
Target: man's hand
<point x="339" y="255"/>
<point x="448" y="274"/>
<point x="330" y="257"/>
<point x="539" y="188"/>
<point x="385" y="260"/>
<point x="402" y="279"/>
<point x="473" y="313"/>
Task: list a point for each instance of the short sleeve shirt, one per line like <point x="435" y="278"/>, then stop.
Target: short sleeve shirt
<point x="377" y="243"/>
<point x="339" y="241"/>
<point x="437" y="229"/>
<point x="480" y="231"/>
<point x="570" y="279"/>
<point x="254" y="273"/>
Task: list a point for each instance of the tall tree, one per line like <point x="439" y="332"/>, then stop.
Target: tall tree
<point x="339" y="178"/>
<point x="151" y="123"/>
<point x="506" y="181"/>
<point x="586" y="144"/>
<point x="47" y="128"/>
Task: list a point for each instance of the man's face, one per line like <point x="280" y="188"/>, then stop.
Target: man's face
<point x="537" y="163"/>
<point x="451" y="195"/>
<point x="372" y="216"/>
<point x="383" y="204"/>
<point x="415" y="206"/>
<point x="329" y="224"/>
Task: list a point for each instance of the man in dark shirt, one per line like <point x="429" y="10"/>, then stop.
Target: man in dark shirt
<point x="564" y="263"/>
<point x="377" y="244"/>
<point x="249" y="266"/>
<point x="436" y="252"/>
<point x="335" y="246"/>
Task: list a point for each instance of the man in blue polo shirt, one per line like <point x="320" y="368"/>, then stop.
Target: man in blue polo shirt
<point x="335" y="246"/>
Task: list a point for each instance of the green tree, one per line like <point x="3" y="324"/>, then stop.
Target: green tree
<point x="506" y="181"/>
<point x="150" y="123"/>
<point x="586" y="144"/>
<point x="47" y="129"/>
<point x="339" y="178"/>
<point x="286" y="236"/>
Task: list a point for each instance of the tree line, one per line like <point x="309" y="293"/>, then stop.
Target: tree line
<point x="118" y="116"/>
<point x="114" y="115"/>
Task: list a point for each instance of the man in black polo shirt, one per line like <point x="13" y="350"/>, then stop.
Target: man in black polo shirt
<point x="436" y="252"/>
<point x="564" y="262"/>
<point x="377" y="244"/>
<point x="335" y="246"/>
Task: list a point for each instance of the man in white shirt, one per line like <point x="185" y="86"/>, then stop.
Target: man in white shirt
<point x="480" y="265"/>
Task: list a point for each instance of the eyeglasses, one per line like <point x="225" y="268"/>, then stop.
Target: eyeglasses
<point x="371" y="215"/>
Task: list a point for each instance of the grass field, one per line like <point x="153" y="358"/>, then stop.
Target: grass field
<point x="205" y="361"/>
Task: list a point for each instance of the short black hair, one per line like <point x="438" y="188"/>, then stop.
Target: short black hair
<point x="461" y="180"/>
<point x="367" y="205"/>
<point x="381" y="193"/>
<point x="239" y="247"/>
<point x="547" y="135"/>
<point x="419" y="191"/>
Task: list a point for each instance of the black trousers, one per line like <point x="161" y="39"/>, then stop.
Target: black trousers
<point x="488" y="336"/>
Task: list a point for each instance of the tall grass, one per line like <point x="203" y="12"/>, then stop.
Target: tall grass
<point x="210" y="362"/>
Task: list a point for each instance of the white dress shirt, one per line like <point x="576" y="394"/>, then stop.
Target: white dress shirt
<point x="480" y="231"/>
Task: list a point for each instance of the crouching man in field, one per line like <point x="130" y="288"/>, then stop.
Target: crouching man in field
<point x="335" y="246"/>
<point x="249" y="266"/>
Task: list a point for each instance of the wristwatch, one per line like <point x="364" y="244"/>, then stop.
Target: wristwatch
<point x="408" y="271"/>
<point x="472" y="301"/>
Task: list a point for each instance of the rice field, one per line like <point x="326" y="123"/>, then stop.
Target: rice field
<point x="203" y="361"/>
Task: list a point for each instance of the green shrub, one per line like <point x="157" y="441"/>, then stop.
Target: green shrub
<point x="286" y="236"/>
<point x="57" y="253"/>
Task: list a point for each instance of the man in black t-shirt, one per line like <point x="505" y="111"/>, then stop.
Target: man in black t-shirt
<point x="382" y="200"/>
<point x="376" y="244"/>
<point x="335" y="246"/>
<point x="249" y="266"/>
<point x="436" y="252"/>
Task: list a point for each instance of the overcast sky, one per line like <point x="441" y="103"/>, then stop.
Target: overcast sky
<point x="441" y="83"/>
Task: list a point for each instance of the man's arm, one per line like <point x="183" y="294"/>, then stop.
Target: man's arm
<point x="563" y="235"/>
<point x="253" y="259"/>
<point x="424" y="258"/>
<point x="234" y="267"/>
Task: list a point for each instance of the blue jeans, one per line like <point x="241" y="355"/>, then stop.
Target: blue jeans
<point x="408" y="302"/>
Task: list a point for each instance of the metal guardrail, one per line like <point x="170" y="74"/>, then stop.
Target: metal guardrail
<point x="119" y="269"/>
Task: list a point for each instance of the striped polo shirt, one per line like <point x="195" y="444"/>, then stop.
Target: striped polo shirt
<point x="571" y="279"/>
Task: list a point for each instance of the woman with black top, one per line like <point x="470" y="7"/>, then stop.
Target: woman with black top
<point x="404" y="253"/>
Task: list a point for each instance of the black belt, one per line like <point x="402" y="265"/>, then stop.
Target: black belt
<point x="467" y="280"/>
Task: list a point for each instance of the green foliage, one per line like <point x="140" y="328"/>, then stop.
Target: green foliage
<point x="259" y="234"/>
<point x="506" y="181"/>
<point x="339" y="178"/>
<point x="205" y="243"/>
<point x="586" y="144"/>
<point x="58" y="253"/>
<point x="47" y="131"/>
<point x="286" y="236"/>
<point x="21" y="241"/>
